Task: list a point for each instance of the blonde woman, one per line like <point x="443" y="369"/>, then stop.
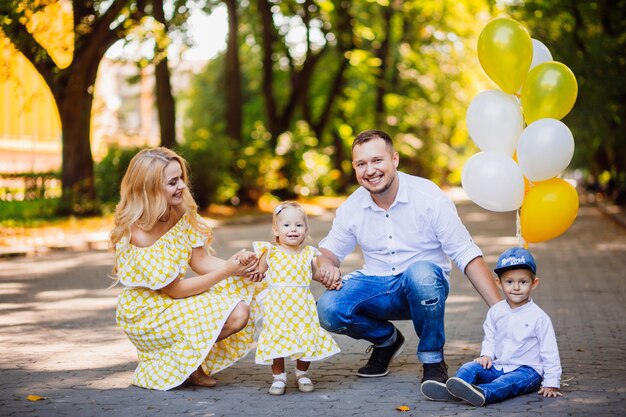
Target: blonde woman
<point x="183" y="328"/>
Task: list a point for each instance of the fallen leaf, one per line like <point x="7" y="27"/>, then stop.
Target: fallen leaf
<point x="35" y="398"/>
<point x="402" y="408"/>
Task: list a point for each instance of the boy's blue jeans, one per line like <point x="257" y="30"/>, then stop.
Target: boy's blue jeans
<point x="365" y="304"/>
<point x="497" y="385"/>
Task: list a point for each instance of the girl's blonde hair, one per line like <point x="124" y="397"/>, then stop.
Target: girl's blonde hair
<point x="279" y="208"/>
<point x="142" y="195"/>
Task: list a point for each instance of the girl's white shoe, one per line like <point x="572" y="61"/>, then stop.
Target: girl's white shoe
<point x="304" y="383"/>
<point x="279" y="384"/>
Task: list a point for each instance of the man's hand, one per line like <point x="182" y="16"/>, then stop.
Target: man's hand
<point x="326" y="270"/>
<point x="329" y="276"/>
<point x="336" y="282"/>
<point x="550" y="392"/>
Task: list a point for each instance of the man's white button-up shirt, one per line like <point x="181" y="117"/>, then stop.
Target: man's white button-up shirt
<point x="422" y="224"/>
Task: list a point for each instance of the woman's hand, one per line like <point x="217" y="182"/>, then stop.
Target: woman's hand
<point x="245" y="263"/>
<point x="257" y="267"/>
<point x="246" y="257"/>
<point x="256" y="271"/>
<point x="234" y="265"/>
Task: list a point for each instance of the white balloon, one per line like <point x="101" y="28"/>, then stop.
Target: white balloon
<point x="493" y="181"/>
<point x="495" y="121"/>
<point x="541" y="54"/>
<point x="545" y="149"/>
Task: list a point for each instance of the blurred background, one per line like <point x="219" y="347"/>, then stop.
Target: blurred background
<point x="263" y="98"/>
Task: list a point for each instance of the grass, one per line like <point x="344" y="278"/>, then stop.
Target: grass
<point x="34" y="222"/>
<point x="27" y="212"/>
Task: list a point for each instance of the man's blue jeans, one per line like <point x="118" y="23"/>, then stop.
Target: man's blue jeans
<point x="365" y="304"/>
<point x="497" y="385"/>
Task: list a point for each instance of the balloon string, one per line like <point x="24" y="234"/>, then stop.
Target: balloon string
<point x="520" y="239"/>
<point x="518" y="231"/>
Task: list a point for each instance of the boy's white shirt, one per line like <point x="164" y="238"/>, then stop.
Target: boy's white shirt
<point x="522" y="336"/>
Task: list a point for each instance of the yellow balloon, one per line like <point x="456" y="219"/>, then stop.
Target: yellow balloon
<point x="550" y="90"/>
<point x="505" y="51"/>
<point x="548" y="210"/>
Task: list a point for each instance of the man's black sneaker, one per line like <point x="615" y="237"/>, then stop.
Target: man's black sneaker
<point x="378" y="363"/>
<point x="434" y="382"/>
<point x="465" y="391"/>
<point x="435" y="372"/>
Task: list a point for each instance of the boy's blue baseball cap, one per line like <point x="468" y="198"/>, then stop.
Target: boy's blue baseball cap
<point x="515" y="258"/>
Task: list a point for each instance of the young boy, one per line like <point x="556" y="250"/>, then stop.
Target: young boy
<point x="519" y="349"/>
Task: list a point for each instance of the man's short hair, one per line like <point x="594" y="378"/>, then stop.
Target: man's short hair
<point x="367" y="135"/>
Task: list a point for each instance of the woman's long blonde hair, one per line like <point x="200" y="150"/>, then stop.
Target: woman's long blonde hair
<point x="142" y="196"/>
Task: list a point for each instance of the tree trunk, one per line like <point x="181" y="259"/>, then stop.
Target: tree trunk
<point x="166" y="107"/>
<point x="339" y="156"/>
<point x="267" y="86"/>
<point x="248" y="193"/>
<point x="74" y="98"/>
<point x="335" y="91"/>
<point x="72" y="87"/>
<point x="383" y="54"/>
<point x="233" y="76"/>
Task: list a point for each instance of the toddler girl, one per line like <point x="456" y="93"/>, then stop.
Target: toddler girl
<point x="291" y="326"/>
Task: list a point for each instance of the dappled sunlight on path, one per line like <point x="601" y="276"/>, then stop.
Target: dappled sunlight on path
<point x="60" y="341"/>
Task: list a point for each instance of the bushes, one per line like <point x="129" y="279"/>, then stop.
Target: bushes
<point x="222" y="171"/>
<point x="209" y="163"/>
<point x="28" y="196"/>
<point x="110" y="171"/>
<point x="29" y="185"/>
<point x="16" y="212"/>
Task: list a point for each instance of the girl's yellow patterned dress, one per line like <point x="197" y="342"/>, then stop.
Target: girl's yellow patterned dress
<point x="175" y="336"/>
<point x="291" y="326"/>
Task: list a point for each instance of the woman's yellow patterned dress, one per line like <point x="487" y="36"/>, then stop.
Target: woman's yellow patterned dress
<point x="291" y="326"/>
<point x="175" y="336"/>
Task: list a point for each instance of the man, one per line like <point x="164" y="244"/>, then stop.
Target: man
<point x="407" y="229"/>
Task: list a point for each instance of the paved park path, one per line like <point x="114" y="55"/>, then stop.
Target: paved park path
<point x="58" y="337"/>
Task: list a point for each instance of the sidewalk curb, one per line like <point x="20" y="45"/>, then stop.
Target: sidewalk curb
<point x="616" y="213"/>
<point x="87" y="241"/>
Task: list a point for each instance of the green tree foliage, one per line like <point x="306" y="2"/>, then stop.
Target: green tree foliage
<point x="590" y="38"/>
<point x="110" y="171"/>
<point x="314" y="73"/>
<point x="430" y="75"/>
<point x="96" y="26"/>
